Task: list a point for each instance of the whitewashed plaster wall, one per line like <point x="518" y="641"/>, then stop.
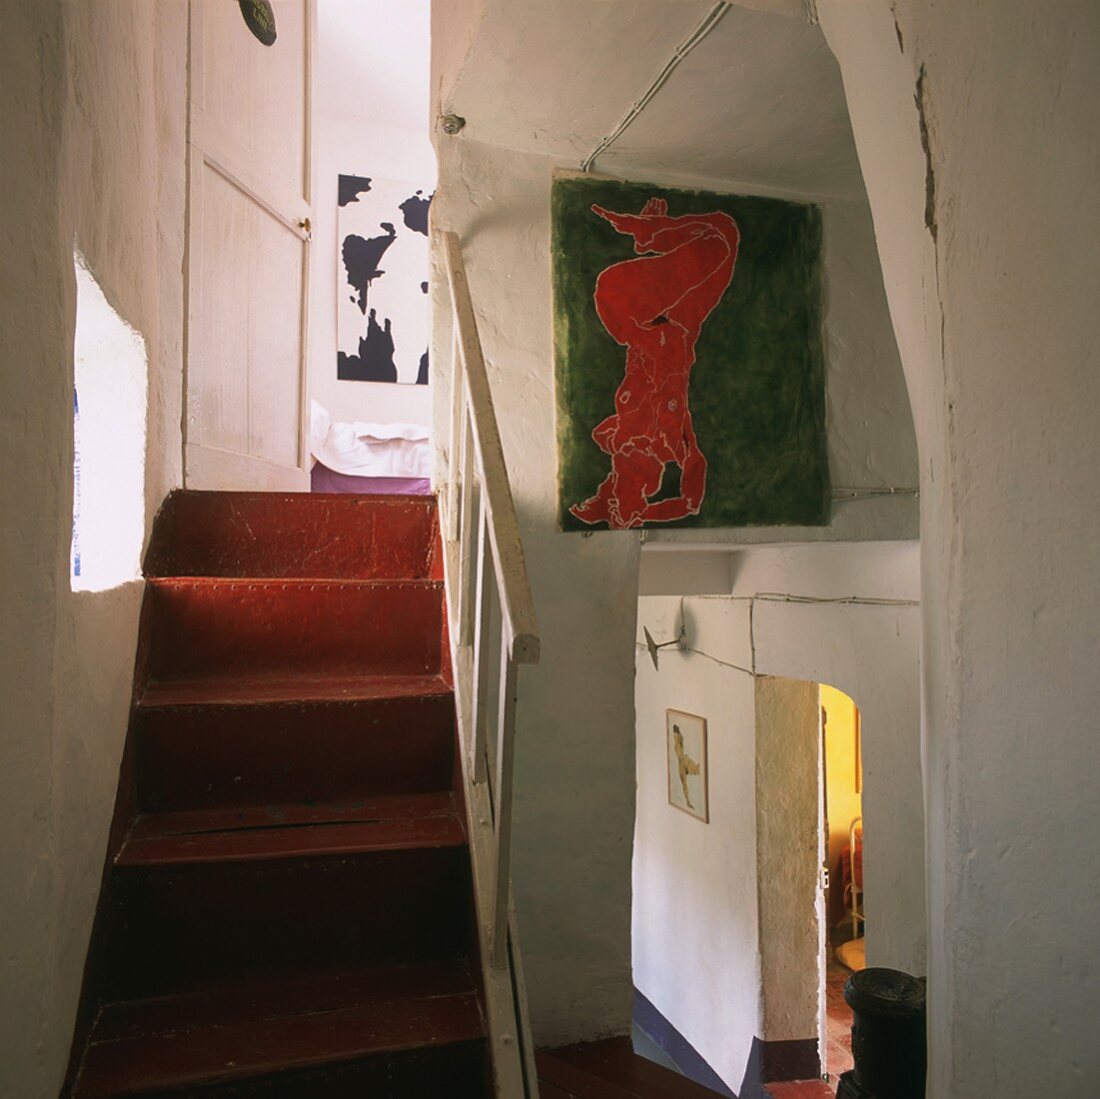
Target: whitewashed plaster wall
<point x="695" y="923"/>
<point x="371" y="118"/>
<point x="878" y="570"/>
<point x="788" y="829"/>
<point x="981" y="183"/>
<point x="93" y="123"/>
<point x="575" y="757"/>
<point x="575" y="742"/>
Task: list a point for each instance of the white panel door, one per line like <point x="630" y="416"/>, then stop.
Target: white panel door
<point x="248" y="228"/>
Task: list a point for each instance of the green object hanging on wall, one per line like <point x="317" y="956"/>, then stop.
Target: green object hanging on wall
<point x="260" y="17"/>
<point x="690" y="371"/>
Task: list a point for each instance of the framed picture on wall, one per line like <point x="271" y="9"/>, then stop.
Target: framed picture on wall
<point x="689" y="369"/>
<point x="383" y="317"/>
<point x="686" y="750"/>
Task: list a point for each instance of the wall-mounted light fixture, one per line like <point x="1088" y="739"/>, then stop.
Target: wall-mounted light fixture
<point x="680" y="641"/>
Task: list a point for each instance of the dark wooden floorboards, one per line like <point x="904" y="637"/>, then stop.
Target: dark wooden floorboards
<point x="610" y="1070"/>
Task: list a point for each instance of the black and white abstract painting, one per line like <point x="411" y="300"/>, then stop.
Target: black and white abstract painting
<point x="383" y="318"/>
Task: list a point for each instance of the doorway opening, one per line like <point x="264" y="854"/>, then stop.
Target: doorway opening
<point x="309" y="318"/>
<point x="370" y="366"/>
<point x="109" y="410"/>
<point x="841" y="831"/>
<point x="809" y="788"/>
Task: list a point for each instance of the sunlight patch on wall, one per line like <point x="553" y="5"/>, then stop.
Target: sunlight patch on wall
<point x="109" y="413"/>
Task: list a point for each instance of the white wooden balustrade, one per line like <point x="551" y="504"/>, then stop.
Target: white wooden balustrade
<point x="493" y="630"/>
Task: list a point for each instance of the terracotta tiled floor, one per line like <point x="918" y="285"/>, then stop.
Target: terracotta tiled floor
<point x="838" y="1039"/>
<point x="801" y="1089"/>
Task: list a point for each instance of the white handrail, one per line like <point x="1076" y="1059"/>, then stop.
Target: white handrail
<point x="490" y="602"/>
<point x="472" y="380"/>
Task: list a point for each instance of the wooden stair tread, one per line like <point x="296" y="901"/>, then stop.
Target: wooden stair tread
<point x="380" y="807"/>
<point x="292" y="583"/>
<point x="257" y="688"/>
<point x="282" y="993"/>
<point x="271" y="1026"/>
<point x="614" y="1064"/>
<point x="163" y="839"/>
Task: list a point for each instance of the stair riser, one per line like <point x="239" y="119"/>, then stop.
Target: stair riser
<point x="296" y="535"/>
<point x="222" y="628"/>
<point x="458" y="1071"/>
<point x="172" y="928"/>
<point x="204" y="757"/>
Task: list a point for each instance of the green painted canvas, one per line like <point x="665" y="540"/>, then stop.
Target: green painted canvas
<point x="688" y="355"/>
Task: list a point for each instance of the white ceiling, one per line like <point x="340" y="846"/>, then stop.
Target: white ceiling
<point x="373" y="61"/>
<point x="759" y="102"/>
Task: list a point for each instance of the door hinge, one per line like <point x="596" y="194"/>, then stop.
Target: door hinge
<point x="824" y="874"/>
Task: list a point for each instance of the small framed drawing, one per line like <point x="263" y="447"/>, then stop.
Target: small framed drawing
<point x="686" y="736"/>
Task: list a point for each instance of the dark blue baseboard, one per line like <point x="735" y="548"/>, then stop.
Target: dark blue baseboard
<point x="684" y="1055"/>
<point x="768" y="1062"/>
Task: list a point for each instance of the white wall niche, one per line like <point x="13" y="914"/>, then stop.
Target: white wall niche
<point x="111" y="384"/>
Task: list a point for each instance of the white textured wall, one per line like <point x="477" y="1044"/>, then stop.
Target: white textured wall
<point x="696" y="948"/>
<point x="93" y="131"/>
<point x="575" y="795"/>
<point x="879" y="570"/>
<point x="996" y="322"/>
<point x="371" y="118"/>
<point x="870" y="426"/>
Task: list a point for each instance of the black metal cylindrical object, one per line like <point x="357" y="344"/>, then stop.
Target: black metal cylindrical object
<point x="888" y="1036"/>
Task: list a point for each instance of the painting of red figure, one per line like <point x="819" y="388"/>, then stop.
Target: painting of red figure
<point x="655" y="306"/>
<point x="689" y="366"/>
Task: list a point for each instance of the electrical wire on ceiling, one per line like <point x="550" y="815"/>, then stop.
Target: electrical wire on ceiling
<point x="840" y="493"/>
<point x="846" y="600"/>
<point x="710" y="21"/>
<point x="752" y="600"/>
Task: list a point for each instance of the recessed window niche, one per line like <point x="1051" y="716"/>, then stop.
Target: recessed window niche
<point x="109" y="412"/>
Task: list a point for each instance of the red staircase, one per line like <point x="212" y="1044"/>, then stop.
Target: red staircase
<point x="288" y="904"/>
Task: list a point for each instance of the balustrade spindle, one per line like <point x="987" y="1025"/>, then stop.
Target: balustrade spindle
<point x="506" y="746"/>
<point x="480" y="677"/>
<point x="486" y="574"/>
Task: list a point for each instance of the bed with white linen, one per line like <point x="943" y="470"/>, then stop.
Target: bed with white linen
<point x="368" y="458"/>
